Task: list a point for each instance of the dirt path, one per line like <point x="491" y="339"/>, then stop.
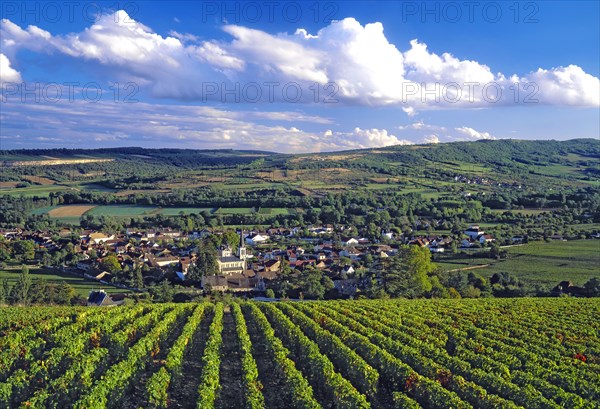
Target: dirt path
<point x="231" y="392"/>
<point x="183" y="392"/>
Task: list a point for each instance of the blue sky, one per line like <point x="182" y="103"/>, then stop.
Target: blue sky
<point x="296" y="76"/>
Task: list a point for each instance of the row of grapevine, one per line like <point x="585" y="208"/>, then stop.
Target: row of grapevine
<point x="400" y="376"/>
<point x="211" y="362"/>
<point x="350" y="364"/>
<point x="159" y="383"/>
<point x="330" y="383"/>
<point x="117" y="378"/>
<point x="69" y="342"/>
<point x="346" y="354"/>
<point x="481" y="352"/>
<point x="300" y="390"/>
<point x="253" y="397"/>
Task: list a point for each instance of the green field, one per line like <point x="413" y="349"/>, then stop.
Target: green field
<point x="82" y="286"/>
<point x="45" y="190"/>
<point x="35" y="190"/>
<point x="276" y="211"/>
<point x="234" y="210"/>
<point x="464" y="354"/>
<point x="541" y="263"/>
<point x="176" y="211"/>
<point x="123" y="211"/>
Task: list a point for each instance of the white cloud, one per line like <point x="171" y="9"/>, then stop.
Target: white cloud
<point x="160" y="125"/>
<point x="431" y="133"/>
<point x="359" y="139"/>
<point x="366" y="68"/>
<point x="7" y="72"/>
<point x="431" y="139"/>
<point x="473" y="134"/>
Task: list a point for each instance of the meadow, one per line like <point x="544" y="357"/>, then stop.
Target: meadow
<point x="81" y="285"/>
<point x="538" y="263"/>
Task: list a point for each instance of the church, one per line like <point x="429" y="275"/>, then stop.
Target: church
<point x="232" y="264"/>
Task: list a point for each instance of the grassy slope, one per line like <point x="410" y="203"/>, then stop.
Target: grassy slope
<point x="82" y="286"/>
<point x="541" y="263"/>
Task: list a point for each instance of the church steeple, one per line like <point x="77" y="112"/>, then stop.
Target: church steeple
<point x="242" y="248"/>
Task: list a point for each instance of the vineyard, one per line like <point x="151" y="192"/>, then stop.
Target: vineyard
<point x="489" y="353"/>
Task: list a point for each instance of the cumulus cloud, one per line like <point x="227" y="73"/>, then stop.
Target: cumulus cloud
<point x="473" y="134"/>
<point x="359" y="139"/>
<point x="431" y="133"/>
<point x="7" y="72"/>
<point x="359" y="60"/>
<point x="431" y="139"/>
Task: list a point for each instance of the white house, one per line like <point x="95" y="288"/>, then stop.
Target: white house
<point x="256" y="239"/>
<point x="485" y="238"/>
<point x="349" y="242"/>
<point x="474" y="231"/>
<point x="388" y="235"/>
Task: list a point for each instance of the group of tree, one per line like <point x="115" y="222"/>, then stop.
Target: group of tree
<point x="27" y="291"/>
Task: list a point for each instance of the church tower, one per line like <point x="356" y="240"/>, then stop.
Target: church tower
<point x="242" y="249"/>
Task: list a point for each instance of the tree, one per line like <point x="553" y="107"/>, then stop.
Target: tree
<point x="23" y="249"/>
<point x="64" y="294"/>
<point x="207" y="261"/>
<point x="270" y="293"/>
<point x="22" y="287"/>
<point x="6" y="290"/>
<point x="592" y="287"/>
<point x="111" y="263"/>
<point x="39" y="292"/>
<point x="232" y="239"/>
<point x="314" y="284"/>
<point x="163" y="293"/>
<point x="406" y="275"/>
<point x="138" y="278"/>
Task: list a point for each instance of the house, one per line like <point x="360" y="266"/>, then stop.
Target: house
<point x="485" y="238"/>
<point x="351" y="241"/>
<point x="348" y="270"/>
<point x="272" y="265"/>
<point x="85" y="265"/>
<point x="216" y="283"/>
<point x="346" y="287"/>
<point x="388" y="235"/>
<point x="99" y="298"/>
<point x="163" y="261"/>
<point x="239" y="283"/>
<point x="353" y="253"/>
<point x="104" y="276"/>
<point x="256" y="239"/>
<point x="263" y="277"/>
<point x="474" y="231"/>
<point x="100" y="237"/>
<point x="466" y="243"/>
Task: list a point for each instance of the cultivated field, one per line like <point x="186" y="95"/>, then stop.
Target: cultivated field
<point x="495" y="353"/>
<point x="70" y="211"/>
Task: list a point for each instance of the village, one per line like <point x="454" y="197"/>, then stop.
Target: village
<point x="135" y="258"/>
